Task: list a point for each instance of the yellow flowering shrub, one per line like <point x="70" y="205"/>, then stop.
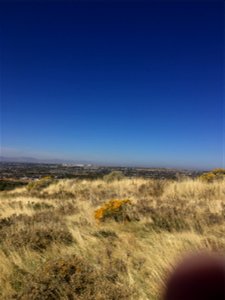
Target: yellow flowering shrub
<point x="219" y="171"/>
<point x="208" y="177"/>
<point x="118" y="210"/>
<point x="215" y="174"/>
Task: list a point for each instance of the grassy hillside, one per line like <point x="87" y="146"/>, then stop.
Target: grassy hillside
<point x="80" y="239"/>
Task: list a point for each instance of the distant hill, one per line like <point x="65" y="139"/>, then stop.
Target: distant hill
<point x="26" y="159"/>
<point x="41" y="161"/>
<point x="18" y="159"/>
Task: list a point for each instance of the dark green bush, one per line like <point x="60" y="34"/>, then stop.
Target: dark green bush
<point x="8" y="185"/>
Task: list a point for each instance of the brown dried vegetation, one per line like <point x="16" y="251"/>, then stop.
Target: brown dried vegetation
<point x="71" y="278"/>
<point x="71" y="239"/>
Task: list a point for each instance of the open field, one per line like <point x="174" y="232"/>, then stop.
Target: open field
<point x="63" y="239"/>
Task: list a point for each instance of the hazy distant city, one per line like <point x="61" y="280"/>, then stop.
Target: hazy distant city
<point x="27" y="171"/>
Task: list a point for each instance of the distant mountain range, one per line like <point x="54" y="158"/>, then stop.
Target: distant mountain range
<point x="40" y="161"/>
<point x="25" y="159"/>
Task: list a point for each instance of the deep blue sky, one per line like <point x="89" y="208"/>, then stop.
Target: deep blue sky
<point x="114" y="82"/>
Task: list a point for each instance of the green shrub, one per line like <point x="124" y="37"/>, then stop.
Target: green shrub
<point x="7" y="185"/>
<point x="37" y="185"/>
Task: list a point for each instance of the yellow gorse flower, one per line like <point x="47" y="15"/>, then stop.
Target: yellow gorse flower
<point x="110" y="209"/>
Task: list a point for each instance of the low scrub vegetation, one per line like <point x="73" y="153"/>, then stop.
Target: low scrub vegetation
<point x="113" y="176"/>
<point x="71" y="277"/>
<point x="105" y="239"/>
<point x="37" y="185"/>
<point x="7" y="185"/>
<point x="216" y="174"/>
<point x="118" y="210"/>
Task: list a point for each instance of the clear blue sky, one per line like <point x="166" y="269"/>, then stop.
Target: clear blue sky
<point x="114" y="82"/>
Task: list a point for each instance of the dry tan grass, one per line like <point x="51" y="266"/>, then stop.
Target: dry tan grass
<point x="130" y="260"/>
